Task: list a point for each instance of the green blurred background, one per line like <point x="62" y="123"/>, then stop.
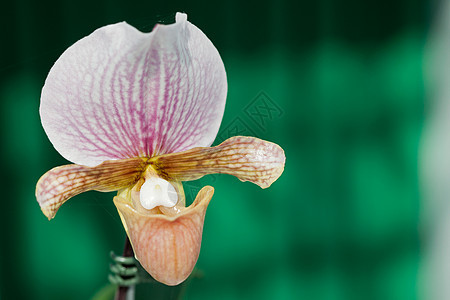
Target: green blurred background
<point x="338" y="84"/>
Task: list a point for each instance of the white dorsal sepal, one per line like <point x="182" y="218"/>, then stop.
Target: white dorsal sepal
<point x="156" y="192"/>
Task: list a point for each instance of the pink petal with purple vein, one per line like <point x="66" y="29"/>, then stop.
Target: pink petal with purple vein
<point x="121" y="93"/>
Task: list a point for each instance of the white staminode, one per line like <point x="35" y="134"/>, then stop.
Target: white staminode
<point x="157" y="191"/>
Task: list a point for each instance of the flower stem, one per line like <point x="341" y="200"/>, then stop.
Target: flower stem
<point x="126" y="292"/>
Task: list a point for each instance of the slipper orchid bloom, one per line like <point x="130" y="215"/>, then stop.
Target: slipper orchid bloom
<point x="136" y="113"/>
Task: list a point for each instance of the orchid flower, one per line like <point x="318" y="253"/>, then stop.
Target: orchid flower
<point x="136" y="113"/>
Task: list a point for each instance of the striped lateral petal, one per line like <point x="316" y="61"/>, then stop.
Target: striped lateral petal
<point x="247" y="158"/>
<point x="61" y="183"/>
<point x="120" y="93"/>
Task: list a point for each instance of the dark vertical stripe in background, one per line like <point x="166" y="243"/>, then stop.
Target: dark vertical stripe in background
<point x="340" y="85"/>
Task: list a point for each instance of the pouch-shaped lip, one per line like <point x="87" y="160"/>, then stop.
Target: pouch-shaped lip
<point x="166" y="246"/>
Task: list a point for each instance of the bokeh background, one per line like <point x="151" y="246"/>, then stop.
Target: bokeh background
<point x="338" y="84"/>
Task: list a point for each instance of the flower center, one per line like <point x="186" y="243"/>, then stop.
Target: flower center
<point x="157" y="192"/>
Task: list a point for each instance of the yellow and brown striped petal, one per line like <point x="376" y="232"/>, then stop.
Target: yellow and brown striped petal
<point x="247" y="158"/>
<point x="61" y="183"/>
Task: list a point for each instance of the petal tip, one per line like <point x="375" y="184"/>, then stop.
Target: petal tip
<point x="48" y="213"/>
<point x="180" y="17"/>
